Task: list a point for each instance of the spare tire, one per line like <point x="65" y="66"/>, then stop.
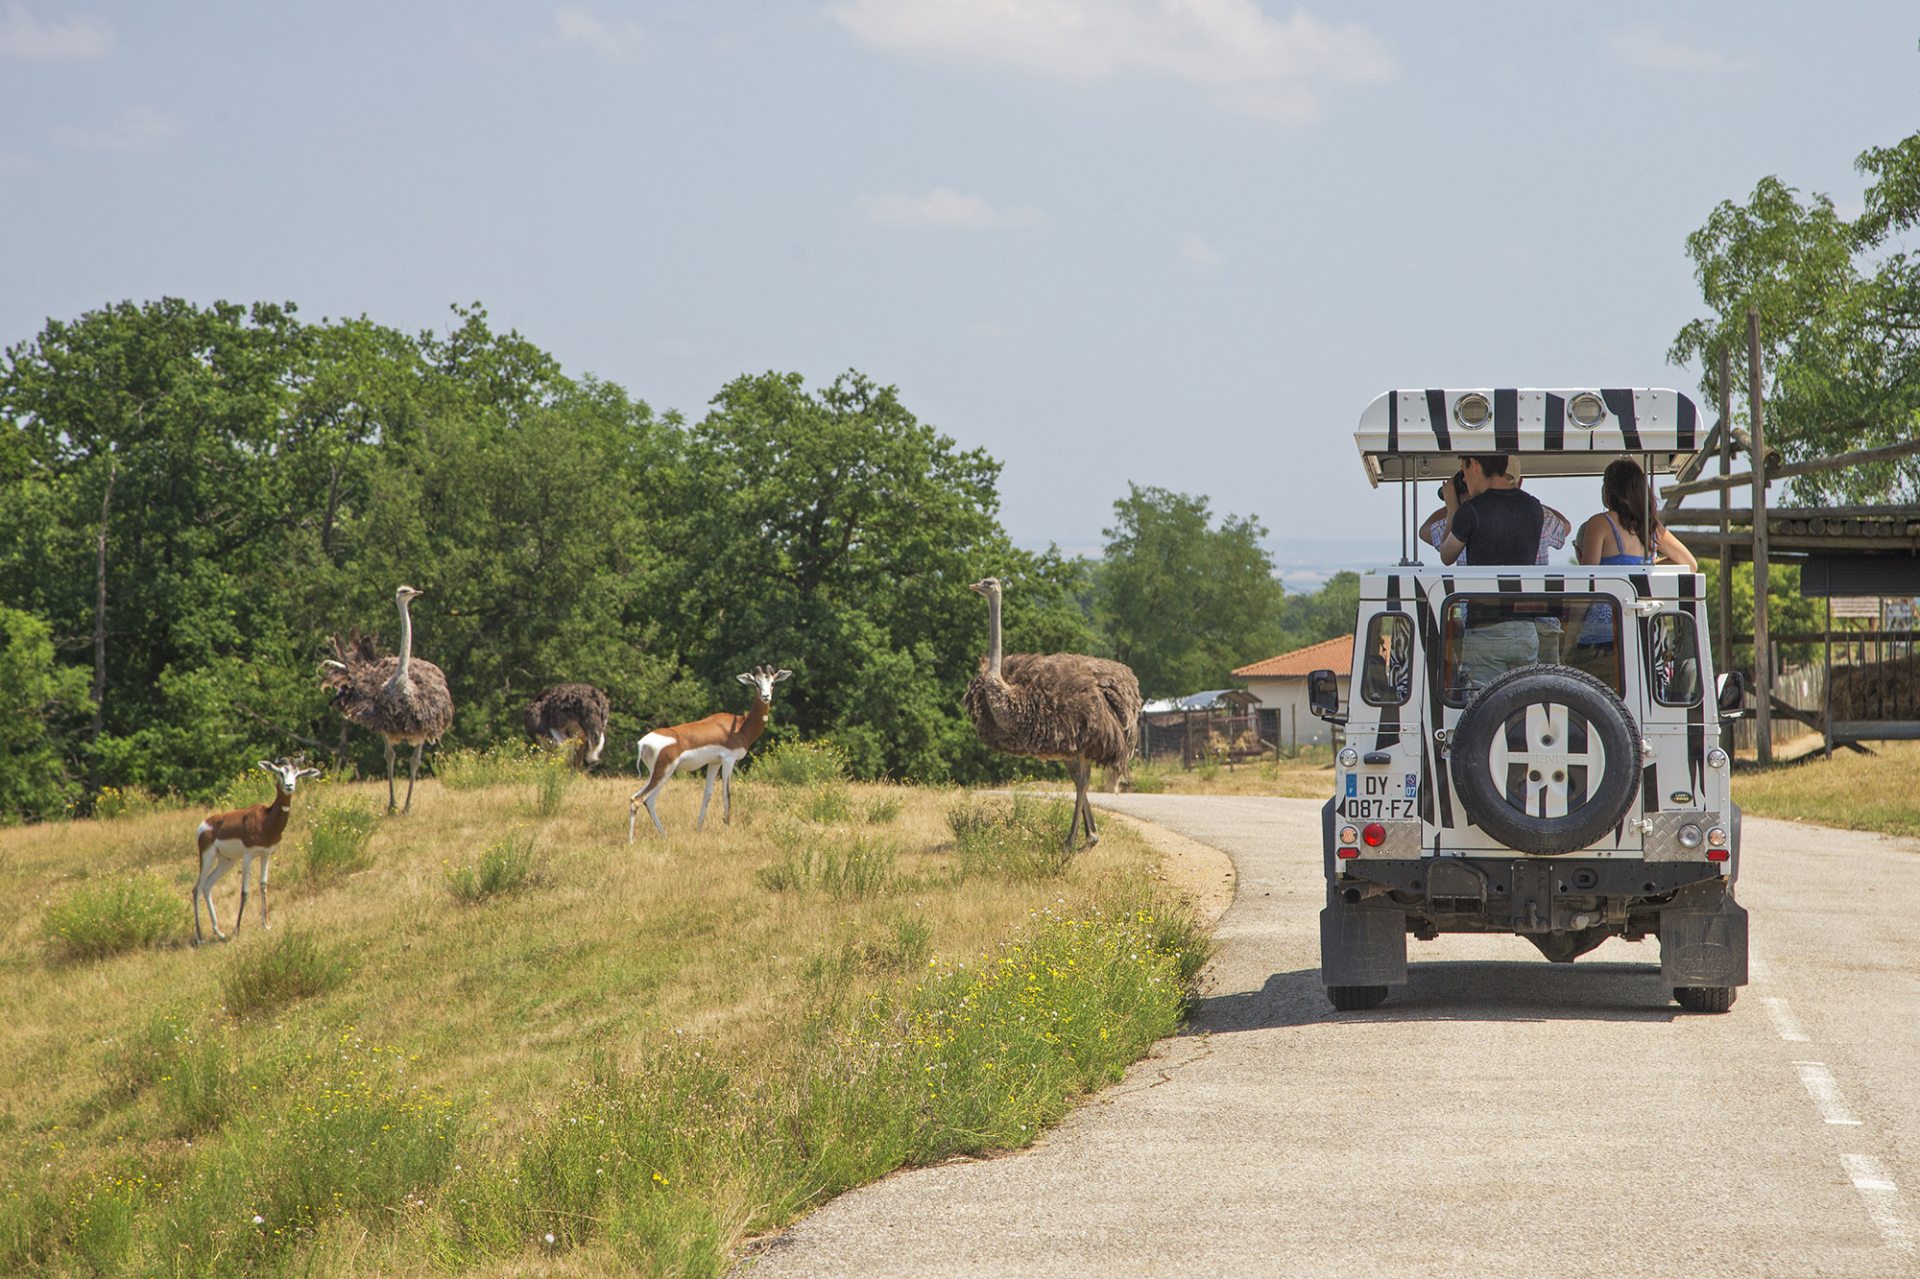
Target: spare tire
<point x="1546" y="759"/>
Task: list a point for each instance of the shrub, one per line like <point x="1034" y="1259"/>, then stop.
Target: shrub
<point x="337" y="842"/>
<point x="883" y="810"/>
<point x="829" y="804"/>
<point x="860" y="869"/>
<point x="505" y="867"/>
<point x="801" y="764"/>
<point x="292" y="966"/>
<point x="1021" y="837"/>
<point x="1148" y="779"/>
<point x="115" y="803"/>
<point x="96" y="920"/>
<point x="550" y="787"/>
<point x="503" y="764"/>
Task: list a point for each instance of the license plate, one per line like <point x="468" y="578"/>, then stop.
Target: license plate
<point x="1376" y="809"/>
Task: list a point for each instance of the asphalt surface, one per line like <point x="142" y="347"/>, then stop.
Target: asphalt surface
<point x="1497" y="1116"/>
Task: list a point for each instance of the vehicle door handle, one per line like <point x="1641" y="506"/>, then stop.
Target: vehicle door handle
<point x="1377" y="757"/>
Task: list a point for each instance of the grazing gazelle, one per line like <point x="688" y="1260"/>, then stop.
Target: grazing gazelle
<point x="718" y="742"/>
<point x="242" y="835"/>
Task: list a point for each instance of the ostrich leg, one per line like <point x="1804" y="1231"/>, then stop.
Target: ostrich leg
<point x="413" y="773"/>
<point x="1086" y="808"/>
<point x="392" y="804"/>
<point x="1079" y="770"/>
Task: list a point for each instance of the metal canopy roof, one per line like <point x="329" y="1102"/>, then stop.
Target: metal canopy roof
<point x="1413" y="435"/>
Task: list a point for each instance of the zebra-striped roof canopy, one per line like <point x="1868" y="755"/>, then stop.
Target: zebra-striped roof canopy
<point x="1412" y="435"/>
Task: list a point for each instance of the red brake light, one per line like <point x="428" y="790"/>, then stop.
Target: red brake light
<point x="1716" y="854"/>
<point x="1345" y="854"/>
<point x="1375" y="834"/>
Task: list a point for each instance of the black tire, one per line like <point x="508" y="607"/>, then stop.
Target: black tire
<point x="1352" y="999"/>
<point x="1705" y="999"/>
<point x="1577" y="795"/>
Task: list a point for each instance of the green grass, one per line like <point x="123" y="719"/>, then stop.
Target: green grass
<point x="670" y="1048"/>
<point x="338" y="840"/>
<point x="507" y="866"/>
<point x="856" y="868"/>
<point x="1873" y="792"/>
<point x="96" y="920"/>
<point x="501" y="765"/>
<point x="550" y="787"/>
<point x="1022" y="837"/>
<point x="269" y="975"/>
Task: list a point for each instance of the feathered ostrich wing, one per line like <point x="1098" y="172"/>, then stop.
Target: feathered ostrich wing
<point x="365" y="691"/>
<point x="1057" y="706"/>
<point x="569" y="709"/>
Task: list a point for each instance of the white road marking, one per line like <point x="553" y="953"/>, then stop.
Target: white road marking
<point x="1882" y="1198"/>
<point x="1820" y="1086"/>
<point x="1783" y="1019"/>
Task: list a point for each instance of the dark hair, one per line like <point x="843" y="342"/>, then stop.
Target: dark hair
<point x="1489" y="463"/>
<point x="1623" y="490"/>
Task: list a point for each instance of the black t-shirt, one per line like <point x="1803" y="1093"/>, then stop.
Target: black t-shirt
<point x="1501" y="526"/>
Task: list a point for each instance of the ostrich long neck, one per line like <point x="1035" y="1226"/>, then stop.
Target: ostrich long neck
<point x="406" y="643"/>
<point x="993" y="636"/>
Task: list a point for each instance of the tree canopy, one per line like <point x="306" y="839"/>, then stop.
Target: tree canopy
<point x="1839" y="306"/>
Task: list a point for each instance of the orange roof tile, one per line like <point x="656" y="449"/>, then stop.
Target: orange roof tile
<point x="1334" y="655"/>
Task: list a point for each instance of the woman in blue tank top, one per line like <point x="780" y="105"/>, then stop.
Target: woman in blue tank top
<point x="1618" y="535"/>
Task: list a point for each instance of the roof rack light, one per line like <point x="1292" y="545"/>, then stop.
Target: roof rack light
<point x="1472" y="411"/>
<point x="1587" y="410"/>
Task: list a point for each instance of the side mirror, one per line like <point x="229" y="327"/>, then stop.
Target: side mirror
<point x="1323" y="695"/>
<point x="1732" y="695"/>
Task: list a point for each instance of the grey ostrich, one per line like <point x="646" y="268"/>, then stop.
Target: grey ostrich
<point x="1060" y="706"/>
<point x="571" y="710"/>
<point x="401" y="698"/>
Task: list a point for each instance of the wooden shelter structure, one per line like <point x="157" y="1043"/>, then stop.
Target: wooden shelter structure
<point x="1843" y="552"/>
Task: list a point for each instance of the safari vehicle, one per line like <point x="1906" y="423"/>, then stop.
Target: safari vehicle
<point x="1580" y="796"/>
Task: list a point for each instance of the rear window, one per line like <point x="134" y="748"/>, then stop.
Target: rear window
<point x="1486" y="635"/>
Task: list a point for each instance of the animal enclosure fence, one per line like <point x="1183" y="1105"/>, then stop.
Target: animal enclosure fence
<point x="1198" y="737"/>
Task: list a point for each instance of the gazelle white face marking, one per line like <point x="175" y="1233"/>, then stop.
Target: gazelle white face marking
<point x="287" y="776"/>
<point x="763" y="678"/>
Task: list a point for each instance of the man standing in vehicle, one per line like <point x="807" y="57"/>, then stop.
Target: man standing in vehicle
<point x="1498" y="523"/>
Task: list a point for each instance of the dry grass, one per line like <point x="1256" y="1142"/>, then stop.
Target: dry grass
<point x="1305" y="775"/>
<point x="611" y="955"/>
<point x="1857" y="792"/>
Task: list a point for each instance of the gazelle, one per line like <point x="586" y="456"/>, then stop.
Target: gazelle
<point x="718" y="742"/>
<point x="242" y="835"/>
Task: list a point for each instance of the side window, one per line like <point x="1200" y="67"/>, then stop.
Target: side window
<point x="1674" y="658"/>
<point x="1387" y="677"/>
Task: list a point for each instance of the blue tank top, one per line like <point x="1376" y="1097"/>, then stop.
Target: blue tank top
<point x="1598" y="626"/>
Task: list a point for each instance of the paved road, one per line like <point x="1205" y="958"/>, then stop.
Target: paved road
<point x="1498" y="1116"/>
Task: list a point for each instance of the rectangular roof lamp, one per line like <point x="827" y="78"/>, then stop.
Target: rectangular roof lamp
<point x="1414" y="435"/>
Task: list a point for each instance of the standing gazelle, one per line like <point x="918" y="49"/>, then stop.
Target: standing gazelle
<point x="719" y="742"/>
<point x="242" y="835"/>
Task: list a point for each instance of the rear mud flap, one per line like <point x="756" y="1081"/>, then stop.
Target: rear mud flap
<point x="1704" y="947"/>
<point x="1363" y="946"/>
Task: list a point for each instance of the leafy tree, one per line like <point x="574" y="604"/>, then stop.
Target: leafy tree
<point x="39" y="699"/>
<point x="1181" y="601"/>
<point x="1839" y="306"/>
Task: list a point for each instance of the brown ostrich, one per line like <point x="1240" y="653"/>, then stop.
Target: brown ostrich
<point x="400" y="698"/>
<point x="1061" y="706"/>
<point x="571" y="710"/>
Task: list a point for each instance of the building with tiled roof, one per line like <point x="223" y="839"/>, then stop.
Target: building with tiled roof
<point x="1280" y="682"/>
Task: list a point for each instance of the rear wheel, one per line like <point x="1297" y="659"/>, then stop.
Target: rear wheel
<point x="1350" y="999"/>
<point x="1704" y="999"/>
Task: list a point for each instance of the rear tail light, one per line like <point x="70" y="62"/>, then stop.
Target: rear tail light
<point x="1717" y="854"/>
<point x="1375" y="834"/>
<point x="1346" y="854"/>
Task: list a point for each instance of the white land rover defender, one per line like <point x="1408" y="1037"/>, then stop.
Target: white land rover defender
<point x="1580" y="795"/>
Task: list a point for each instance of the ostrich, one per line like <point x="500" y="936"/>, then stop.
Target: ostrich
<point x="1065" y="706"/>
<point x="571" y="710"/>
<point x="401" y="699"/>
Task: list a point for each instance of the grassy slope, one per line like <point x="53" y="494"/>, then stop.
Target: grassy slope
<point x="497" y="1011"/>
<point x="1858" y="792"/>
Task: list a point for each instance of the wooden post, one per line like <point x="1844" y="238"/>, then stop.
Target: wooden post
<point x="1762" y="650"/>
<point x="1725" y="632"/>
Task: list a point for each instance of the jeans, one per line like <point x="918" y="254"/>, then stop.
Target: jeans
<point x="1489" y="650"/>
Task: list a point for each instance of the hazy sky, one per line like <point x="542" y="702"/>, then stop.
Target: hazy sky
<point x="1179" y="242"/>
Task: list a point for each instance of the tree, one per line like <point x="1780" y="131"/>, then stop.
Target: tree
<point x="1183" y="602"/>
<point x="39" y="700"/>
<point x="1839" y="309"/>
